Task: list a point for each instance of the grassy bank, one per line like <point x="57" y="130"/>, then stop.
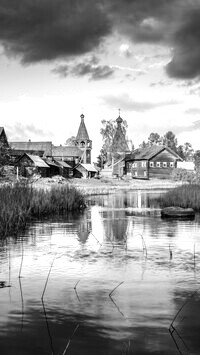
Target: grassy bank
<point x="20" y="203"/>
<point x="184" y="196"/>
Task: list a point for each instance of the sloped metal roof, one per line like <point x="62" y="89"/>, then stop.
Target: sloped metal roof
<point x="39" y="162"/>
<point x="66" y="151"/>
<point x="63" y="164"/>
<point x="33" y="146"/>
<point x="88" y="167"/>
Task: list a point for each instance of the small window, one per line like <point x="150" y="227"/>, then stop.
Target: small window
<point x="134" y="165"/>
<point x="171" y="164"/>
<point x="164" y="164"/>
<point x="158" y="164"/>
<point x="143" y="164"/>
<point x="145" y="173"/>
<point x="135" y="173"/>
<point x="151" y="164"/>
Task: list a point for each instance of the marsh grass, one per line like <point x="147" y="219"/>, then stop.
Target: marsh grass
<point x="185" y="196"/>
<point x="21" y="202"/>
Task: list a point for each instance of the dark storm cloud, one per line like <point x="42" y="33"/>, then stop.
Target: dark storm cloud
<point x="47" y="29"/>
<point x="128" y="104"/>
<point x="37" y="30"/>
<point x="89" y="68"/>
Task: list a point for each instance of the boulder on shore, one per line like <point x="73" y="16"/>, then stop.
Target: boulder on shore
<point x="178" y="212"/>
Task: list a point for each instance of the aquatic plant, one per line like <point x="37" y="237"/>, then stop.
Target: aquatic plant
<point x="21" y="202"/>
<point x="185" y="196"/>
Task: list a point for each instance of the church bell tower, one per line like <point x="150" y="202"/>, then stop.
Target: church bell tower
<point x="83" y="142"/>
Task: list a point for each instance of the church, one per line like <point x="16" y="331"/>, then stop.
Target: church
<point x="49" y="160"/>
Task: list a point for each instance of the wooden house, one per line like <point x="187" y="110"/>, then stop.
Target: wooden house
<point x="29" y="164"/>
<point x="69" y="154"/>
<point x="64" y="169"/>
<point x="151" y="162"/>
<point x="42" y="149"/>
<point x="85" y="171"/>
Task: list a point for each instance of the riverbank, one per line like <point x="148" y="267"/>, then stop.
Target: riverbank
<point x="105" y="186"/>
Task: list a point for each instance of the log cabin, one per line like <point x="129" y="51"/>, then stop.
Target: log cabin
<point x="152" y="162"/>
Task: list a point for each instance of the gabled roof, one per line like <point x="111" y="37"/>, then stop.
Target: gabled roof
<point x="63" y="164"/>
<point x="33" y="146"/>
<point x="149" y="152"/>
<point x="40" y="163"/>
<point x="82" y="131"/>
<point x="88" y="167"/>
<point x="66" y="151"/>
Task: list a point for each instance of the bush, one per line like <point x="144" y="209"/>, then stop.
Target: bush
<point x="184" y="175"/>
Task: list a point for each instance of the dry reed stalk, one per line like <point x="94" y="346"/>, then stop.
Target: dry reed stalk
<point x="76" y="290"/>
<point x="47" y="278"/>
<point x="170" y="252"/>
<point x="181" y="308"/>
<point x="22" y="258"/>
<point x="96" y="239"/>
<point x="70" y="339"/>
<point x="110" y="294"/>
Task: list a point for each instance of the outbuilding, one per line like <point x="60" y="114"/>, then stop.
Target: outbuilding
<point x="29" y="164"/>
<point x="85" y="171"/>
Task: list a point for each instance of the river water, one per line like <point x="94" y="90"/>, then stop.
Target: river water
<point x="116" y="279"/>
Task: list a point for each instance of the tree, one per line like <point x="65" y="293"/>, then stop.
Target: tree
<point x="154" y="139"/>
<point x="70" y="141"/>
<point x="188" y="151"/>
<point x="197" y="159"/>
<point x="170" y="140"/>
<point x="108" y="132"/>
<point x="5" y="155"/>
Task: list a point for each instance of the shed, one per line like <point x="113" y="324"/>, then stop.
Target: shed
<point x="29" y="164"/>
<point x="85" y="170"/>
<point x="54" y="168"/>
<point x="152" y="162"/>
<point x="65" y="169"/>
<point x="68" y="154"/>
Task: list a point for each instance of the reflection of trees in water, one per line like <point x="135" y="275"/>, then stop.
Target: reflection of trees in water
<point x="115" y="225"/>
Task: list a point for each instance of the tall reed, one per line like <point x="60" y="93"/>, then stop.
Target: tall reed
<point x="183" y="196"/>
<point x="20" y="202"/>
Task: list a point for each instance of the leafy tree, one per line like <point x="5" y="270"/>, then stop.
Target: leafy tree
<point x="70" y="141"/>
<point x="108" y="132"/>
<point x="5" y="155"/>
<point x="154" y="139"/>
<point x="170" y="140"/>
<point x="197" y="160"/>
<point x="188" y="151"/>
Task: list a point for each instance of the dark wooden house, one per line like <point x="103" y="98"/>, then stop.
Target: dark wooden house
<point x="29" y="164"/>
<point x="85" y="171"/>
<point x="152" y="162"/>
<point x="42" y="149"/>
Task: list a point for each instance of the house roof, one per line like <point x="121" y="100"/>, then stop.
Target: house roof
<point x="150" y="152"/>
<point x="63" y="164"/>
<point x="33" y="146"/>
<point x="39" y="162"/>
<point x="82" y="131"/>
<point x="66" y="151"/>
<point x="88" y="167"/>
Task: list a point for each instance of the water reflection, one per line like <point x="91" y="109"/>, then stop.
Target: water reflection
<point x="104" y="294"/>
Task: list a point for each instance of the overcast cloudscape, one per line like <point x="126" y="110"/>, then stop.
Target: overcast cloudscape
<point x="59" y="58"/>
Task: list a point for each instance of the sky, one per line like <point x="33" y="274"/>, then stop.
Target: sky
<point x="62" y="58"/>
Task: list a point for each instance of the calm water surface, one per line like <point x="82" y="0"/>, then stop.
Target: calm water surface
<point x="112" y="280"/>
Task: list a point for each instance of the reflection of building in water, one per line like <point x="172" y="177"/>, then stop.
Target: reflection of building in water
<point x="84" y="227"/>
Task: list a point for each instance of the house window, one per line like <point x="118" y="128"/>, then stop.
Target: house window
<point x="158" y="164"/>
<point x="134" y="165"/>
<point x="151" y="164"/>
<point x="143" y="164"/>
<point x="145" y="173"/>
<point x="135" y="173"/>
<point x="164" y="164"/>
<point x="171" y="164"/>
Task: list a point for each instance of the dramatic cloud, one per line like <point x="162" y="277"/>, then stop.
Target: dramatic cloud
<point x="20" y="132"/>
<point x="127" y="104"/>
<point x="89" y="68"/>
<point x="47" y="29"/>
